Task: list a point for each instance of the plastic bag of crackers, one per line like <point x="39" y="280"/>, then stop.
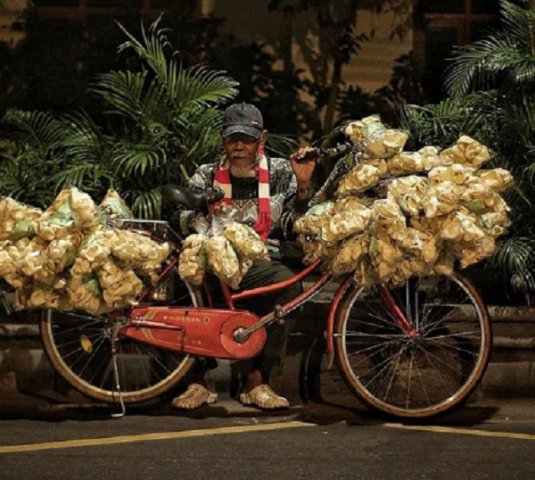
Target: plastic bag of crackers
<point x="67" y="258"/>
<point x="225" y="248"/>
<point x="441" y="209"/>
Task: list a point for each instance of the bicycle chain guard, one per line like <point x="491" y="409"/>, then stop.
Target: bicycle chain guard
<point x="196" y="331"/>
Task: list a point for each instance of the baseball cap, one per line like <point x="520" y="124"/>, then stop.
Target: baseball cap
<point x="242" y="118"/>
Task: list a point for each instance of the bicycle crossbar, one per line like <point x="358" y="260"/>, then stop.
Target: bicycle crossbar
<point x="276" y="286"/>
<point x="291" y="305"/>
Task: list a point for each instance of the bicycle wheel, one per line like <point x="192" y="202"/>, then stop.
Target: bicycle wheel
<point x="79" y="348"/>
<point x="419" y="375"/>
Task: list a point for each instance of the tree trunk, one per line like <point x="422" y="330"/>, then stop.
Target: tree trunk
<point x="336" y="78"/>
<point x="287" y="43"/>
<point x="340" y="30"/>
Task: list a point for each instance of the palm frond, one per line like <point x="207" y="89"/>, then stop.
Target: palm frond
<point x="480" y="64"/>
<point x="523" y="73"/>
<point x="88" y="177"/>
<point x="201" y="85"/>
<point x="145" y="203"/>
<point x="84" y="139"/>
<point x="197" y="84"/>
<point x="156" y="104"/>
<point x="36" y="129"/>
<point x="124" y="91"/>
<point x="514" y="258"/>
<point x="136" y="159"/>
<point x="151" y="49"/>
<point x="507" y="55"/>
<point x="197" y="136"/>
<point x="519" y="23"/>
<point x="443" y="123"/>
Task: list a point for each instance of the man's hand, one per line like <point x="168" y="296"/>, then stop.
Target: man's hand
<point x="303" y="171"/>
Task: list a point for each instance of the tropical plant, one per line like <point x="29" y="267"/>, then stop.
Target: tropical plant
<point x="164" y="120"/>
<point x="30" y="156"/>
<point x="169" y="117"/>
<point x="491" y="83"/>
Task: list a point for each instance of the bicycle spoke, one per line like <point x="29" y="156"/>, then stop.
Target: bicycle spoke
<point x="409" y="382"/>
<point x="90" y="359"/>
<point x="444" y="345"/>
<point x="470" y="334"/>
<point x="64" y="345"/>
<point x="375" y="335"/>
<point x="78" y="328"/>
<point x="440" y="377"/>
<point x="393" y="327"/>
<point x="385" y="362"/>
<point x="380" y="346"/>
<point x="104" y="362"/>
<point x="420" y="376"/>
<point x="392" y="376"/>
<point x="438" y="359"/>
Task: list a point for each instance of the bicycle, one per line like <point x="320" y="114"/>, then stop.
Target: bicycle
<point x="413" y="351"/>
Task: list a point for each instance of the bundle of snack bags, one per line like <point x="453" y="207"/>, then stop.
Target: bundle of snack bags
<point x="440" y="207"/>
<point x="227" y="249"/>
<point x="68" y="257"/>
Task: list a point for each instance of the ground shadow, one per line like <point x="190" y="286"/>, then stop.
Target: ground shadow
<point x="49" y="406"/>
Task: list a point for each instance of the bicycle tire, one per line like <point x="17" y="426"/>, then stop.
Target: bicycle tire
<point x="77" y="347"/>
<point x="420" y="376"/>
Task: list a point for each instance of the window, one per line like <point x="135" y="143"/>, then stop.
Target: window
<point x="56" y="3"/>
<point x="485" y="6"/>
<point x="443" y="6"/>
<point x="442" y="24"/>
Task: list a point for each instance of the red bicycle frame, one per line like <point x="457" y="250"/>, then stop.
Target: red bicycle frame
<point x="280" y="311"/>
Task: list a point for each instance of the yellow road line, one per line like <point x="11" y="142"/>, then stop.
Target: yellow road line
<point x="92" y="442"/>
<point x="462" y="431"/>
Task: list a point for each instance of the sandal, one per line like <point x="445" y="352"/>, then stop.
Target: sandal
<point x="263" y="397"/>
<point x="195" y="396"/>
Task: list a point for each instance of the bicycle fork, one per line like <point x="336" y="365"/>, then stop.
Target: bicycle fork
<point x="399" y="316"/>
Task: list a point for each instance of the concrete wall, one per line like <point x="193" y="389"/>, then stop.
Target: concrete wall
<point x="25" y="368"/>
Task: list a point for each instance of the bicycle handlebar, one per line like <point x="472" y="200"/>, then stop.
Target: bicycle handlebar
<point x="192" y="200"/>
<point x="320" y="154"/>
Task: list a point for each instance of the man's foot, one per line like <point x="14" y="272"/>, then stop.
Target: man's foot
<point x="195" y="396"/>
<point x="263" y="397"/>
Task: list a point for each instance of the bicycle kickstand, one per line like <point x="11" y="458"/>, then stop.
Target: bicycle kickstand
<point x="113" y="337"/>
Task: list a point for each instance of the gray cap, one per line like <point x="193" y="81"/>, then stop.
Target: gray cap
<point x="242" y="118"/>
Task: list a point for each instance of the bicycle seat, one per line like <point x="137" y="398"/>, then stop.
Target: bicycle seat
<point x="176" y="195"/>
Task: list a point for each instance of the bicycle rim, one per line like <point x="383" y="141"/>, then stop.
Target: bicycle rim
<point x="78" y="346"/>
<point x="421" y="375"/>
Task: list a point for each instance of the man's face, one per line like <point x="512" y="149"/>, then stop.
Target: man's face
<point x="240" y="147"/>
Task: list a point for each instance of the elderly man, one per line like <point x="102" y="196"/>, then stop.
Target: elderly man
<point x="267" y="193"/>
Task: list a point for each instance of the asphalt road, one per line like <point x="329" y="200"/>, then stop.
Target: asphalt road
<point x="492" y="439"/>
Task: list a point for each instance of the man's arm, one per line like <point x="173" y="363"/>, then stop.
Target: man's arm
<point x="303" y="172"/>
<point x="297" y="196"/>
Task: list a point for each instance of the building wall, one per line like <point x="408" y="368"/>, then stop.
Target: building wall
<point x="369" y="70"/>
<point x="248" y="21"/>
